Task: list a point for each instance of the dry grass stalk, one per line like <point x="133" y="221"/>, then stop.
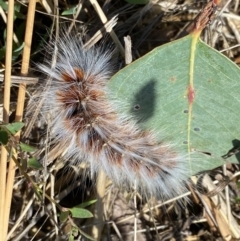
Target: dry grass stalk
<point x="4" y="203"/>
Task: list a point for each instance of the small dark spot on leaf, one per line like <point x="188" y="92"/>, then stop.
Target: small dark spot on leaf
<point x="173" y="79"/>
<point x="185" y="111"/>
<point x="210" y="81"/>
<point x="185" y="142"/>
<point x="196" y="129"/>
<point x="136" y="107"/>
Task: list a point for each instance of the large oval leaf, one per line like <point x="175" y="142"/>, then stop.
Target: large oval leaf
<point x="189" y="94"/>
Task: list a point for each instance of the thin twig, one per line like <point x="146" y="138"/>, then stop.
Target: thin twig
<point x="20" y="79"/>
<point x="98" y="210"/>
<point x="227" y="197"/>
<point x="104" y="19"/>
<point x="99" y="34"/>
<point x="128" y="50"/>
<point x="79" y="8"/>
<point x="21" y="216"/>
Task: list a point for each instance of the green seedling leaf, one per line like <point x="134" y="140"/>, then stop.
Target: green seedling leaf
<point x="3" y="5"/>
<point x="63" y="216"/>
<point x="71" y="237"/>
<point x="34" y="163"/>
<point x="16" y="9"/>
<point x="74" y="232"/>
<point x="3" y="137"/>
<point x="70" y="11"/>
<point x="13" y="128"/>
<point x="78" y="212"/>
<point x="86" y="204"/>
<point x="27" y="148"/>
<point x="189" y="94"/>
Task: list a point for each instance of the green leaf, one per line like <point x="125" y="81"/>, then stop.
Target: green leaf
<point x="3" y="5"/>
<point x="16" y="9"/>
<point x="138" y="1"/>
<point x="63" y="216"/>
<point x="34" y="163"/>
<point x="14" y="127"/>
<point x="3" y="137"/>
<point x="17" y="13"/>
<point x="85" y="204"/>
<point x="71" y="237"/>
<point x="27" y="148"/>
<point x="78" y="212"/>
<point x="70" y="11"/>
<point x="74" y="231"/>
<point x="188" y="93"/>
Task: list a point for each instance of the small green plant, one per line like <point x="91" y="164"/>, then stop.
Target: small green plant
<point x="7" y="132"/>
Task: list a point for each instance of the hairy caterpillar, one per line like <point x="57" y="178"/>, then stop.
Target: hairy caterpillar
<point x="89" y="126"/>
